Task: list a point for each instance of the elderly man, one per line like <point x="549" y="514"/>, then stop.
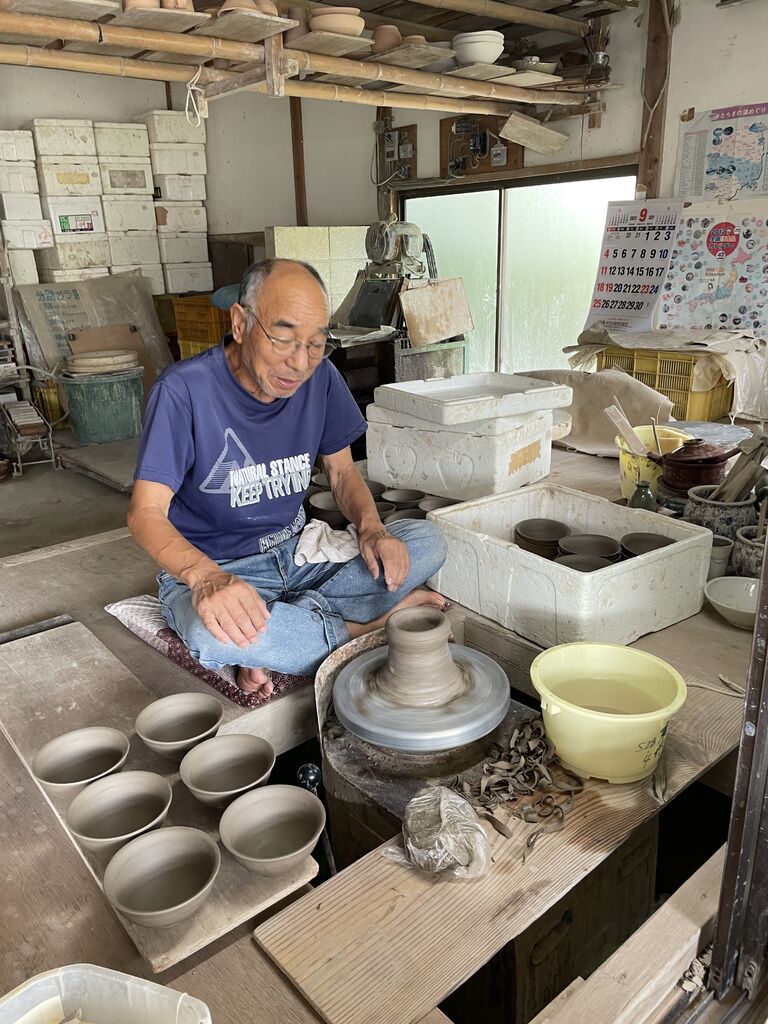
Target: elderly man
<point x="229" y="442"/>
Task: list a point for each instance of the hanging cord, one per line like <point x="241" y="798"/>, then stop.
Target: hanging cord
<point x="385" y="181"/>
<point x="191" y="108"/>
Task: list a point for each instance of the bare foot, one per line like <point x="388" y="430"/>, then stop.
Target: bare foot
<point x="255" y="680"/>
<point x="415" y="599"/>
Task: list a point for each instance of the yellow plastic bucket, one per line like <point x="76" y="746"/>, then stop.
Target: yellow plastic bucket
<point x="630" y="464"/>
<point x="606" y="707"/>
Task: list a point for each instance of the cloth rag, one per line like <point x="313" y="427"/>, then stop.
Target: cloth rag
<point x="320" y="543"/>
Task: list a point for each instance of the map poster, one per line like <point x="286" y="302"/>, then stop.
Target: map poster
<point x="722" y="154"/>
<point x="634" y="259"/>
<point x="718" y="273"/>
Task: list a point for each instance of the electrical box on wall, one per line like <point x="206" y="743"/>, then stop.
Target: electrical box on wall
<point x="471" y="144"/>
<point x="400" y="152"/>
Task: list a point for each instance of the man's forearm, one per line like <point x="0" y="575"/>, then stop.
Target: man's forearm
<point x="153" y="531"/>
<point x="354" y="499"/>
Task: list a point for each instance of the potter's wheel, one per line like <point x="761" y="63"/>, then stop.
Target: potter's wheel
<point x="368" y="713"/>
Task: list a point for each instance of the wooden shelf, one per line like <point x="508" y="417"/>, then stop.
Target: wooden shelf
<point x="82" y="10"/>
<point x="408" y="55"/>
<point x="156" y="19"/>
<point x="330" y="44"/>
<point x="245" y="26"/>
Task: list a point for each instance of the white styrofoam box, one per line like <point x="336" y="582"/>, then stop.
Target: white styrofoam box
<point x="188" y="277"/>
<point x="134" y="247"/>
<point x="180" y="217"/>
<point x="456" y="463"/>
<point x="69" y="176"/>
<point x="153" y="271"/>
<point x="23" y="266"/>
<point x="18" y="177"/>
<point x="184" y="187"/>
<point x="472" y="396"/>
<point x="74" y="215"/>
<point x="16" y="146"/>
<point x="20" y="206"/>
<point x="297" y="243"/>
<point x="129" y="213"/>
<point x="553" y="604"/>
<point x="56" y="137"/>
<point x="177" y="158"/>
<point x="27" y="234"/>
<point x="126" y="175"/>
<point x="76" y="253"/>
<point x="184" y="247"/>
<point x="172" y="126"/>
<point x="83" y="274"/>
<point x="114" y="139"/>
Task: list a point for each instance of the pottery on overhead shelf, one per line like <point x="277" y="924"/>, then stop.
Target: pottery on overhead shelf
<point x="415" y="40"/>
<point x="267" y="7"/>
<point x="478" y="47"/>
<point x="300" y="14"/>
<point x="353" y="11"/>
<point x="135" y="5"/>
<point x="238" y="5"/>
<point x="341" y="24"/>
<point x="386" y="37"/>
<point x="177" y="5"/>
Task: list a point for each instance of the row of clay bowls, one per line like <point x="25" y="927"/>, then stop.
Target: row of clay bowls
<point x="260" y="6"/>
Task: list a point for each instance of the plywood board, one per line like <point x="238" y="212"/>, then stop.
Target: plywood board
<point x="398" y="929"/>
<point x="245" y="26"/>
<point x="66" y="679"/>
<point x="85" y="10"/>
<point x="330" y="44"/>
<point x="113" y="464"/>
<point x="528" y="79"/>
<point x="437" y="311"/>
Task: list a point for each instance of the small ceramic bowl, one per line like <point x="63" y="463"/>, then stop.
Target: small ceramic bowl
<point x="384" y="508"/>
<point x="431" y="504"/>
<point x="321" y="480"/>
<point x="634" y="544"/>
<point x="323" y="506"/>
<point x="541" y="531"/>
<point x="221" y="769"/>
<point x="590" y="544"/>
<point x="735" y="598"/>
<point x="272" y="830"/>
<point x="173" y="725"/>
<point x="163" y="877"/>
<point x="405" y="513"/>
<point x="67" y="764"/>
<point x="114" y="810"/>
<point x="402" y="498"/>
<point x="584" y="563"/>
<point x="342" y="24"/>
<point x="375" y="488"/>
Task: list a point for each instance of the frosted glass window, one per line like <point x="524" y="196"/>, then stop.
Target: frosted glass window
<point x="551" y="246"/>
<point x="463" y="229"/>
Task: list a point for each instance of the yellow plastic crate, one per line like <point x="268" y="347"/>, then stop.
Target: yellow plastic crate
<point x="199" y="325"/>
<point x="46" y="398"/>
<point x="671" y="373"/>
<point x="187" y="349"/>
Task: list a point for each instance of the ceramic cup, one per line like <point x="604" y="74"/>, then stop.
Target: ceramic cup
<point x="114" y="810"/>
<point x="173" y="725"/>
<point x="67" y="764"/>
<point x="720" y="557"/>
<point x="221" y="769"/>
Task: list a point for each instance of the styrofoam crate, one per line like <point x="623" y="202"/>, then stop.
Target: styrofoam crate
<point x="180" y="217"/>
<point x="179" y="186"/>
<point x="134" y="247"/>
<point x="177" y="158"/>
<point x="18" y="177"/>
<point x="74" y="215"/>
<point x="184" y="247"/>
<point x="27" y="234"/>
<point x="129" y="213"/>
<point x="188" y="277"/>
<point x="57" y="137"/>
<point x="72" y="276"/>
<point x="551" y="603"/>
<point x="20" y="206"/>
<point x="69" y="176"/>
<point x="172" y="126"/>
<point x="76" y="253"/>
<point x="153" y="271"/>
<point x="126" y="175"/>
<point x="23" y="266"/>
<point x="113" y="139"/>
<point x="472" y="396"/>
<point x="456" y="463"/>
<point x="16" y="146"/>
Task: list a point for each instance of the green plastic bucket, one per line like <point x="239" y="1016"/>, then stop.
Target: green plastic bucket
<point x="105" y="407"/>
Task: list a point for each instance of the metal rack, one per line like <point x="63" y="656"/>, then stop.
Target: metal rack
<point x="11" y="347"/>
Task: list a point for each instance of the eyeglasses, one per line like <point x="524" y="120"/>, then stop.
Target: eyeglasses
<point x="288" y="346"/>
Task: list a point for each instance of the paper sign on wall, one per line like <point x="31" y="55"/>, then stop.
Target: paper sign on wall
<point x="723" y="154"/>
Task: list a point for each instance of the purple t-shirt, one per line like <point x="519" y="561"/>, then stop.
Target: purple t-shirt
<point x="238" y="467"/>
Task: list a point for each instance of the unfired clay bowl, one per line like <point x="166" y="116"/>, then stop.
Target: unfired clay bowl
<point x="593" y="544"/>
<point x="272" y="830"/>
<point x="66" y="765"/>
<point x="402" y="497"/>
<point x="161" y="878"/>
<point x="342" y="24"/>
<point x="584" y="563"/>
<point x="321" y="480"/>
<point x="221" y="769"/>
<point x="375" y="488"/>
<point x="173" y="725"/>
<point x="433" y="504"/>
<point x="324" y="507"/>
<point x="386" y="37"/>
<point x="634" y="544"/>
<point x="384" y="508"/>
<point x="114" y="810"/>
<point x="404" y="513"/>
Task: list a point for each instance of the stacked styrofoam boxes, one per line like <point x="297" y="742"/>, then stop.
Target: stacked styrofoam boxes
<point x="126" y="181"/>
<point x="177" y="151"/>
<point x="23" y="227"/>
<point x="336" y="253"/>
<point x="70" y="185"/>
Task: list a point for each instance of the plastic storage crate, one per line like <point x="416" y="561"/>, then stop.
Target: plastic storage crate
<point x="671" y="373"/>
<point x="199" y="325"/>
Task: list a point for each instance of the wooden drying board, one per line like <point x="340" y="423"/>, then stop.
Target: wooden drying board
<point x="66" y="679"/>
<point x="156" y="19"/>
<point x="398" y="929"/>
<point x="83" y="10"/>
<point x="435" y="311"/>
<point x="330" y="44"/>
<point x="245" y="26"/>
<point x="407" y="55"/>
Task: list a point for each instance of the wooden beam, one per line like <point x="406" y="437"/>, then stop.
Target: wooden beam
<point x="299" y="169"/>
<point x="273" y="65"/>
<point x="251" y="79"/>
<point x="658" y="56"/>
<point x="512" y="15"/>
<point x="380" y="98"/>
<point x="95" y="64"/>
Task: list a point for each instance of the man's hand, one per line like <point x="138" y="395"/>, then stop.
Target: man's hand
<point x="376" y="545"/>
<point x="230" y="608"/>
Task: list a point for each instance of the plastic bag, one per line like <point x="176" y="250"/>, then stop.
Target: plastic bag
<point x="442" y="834"/>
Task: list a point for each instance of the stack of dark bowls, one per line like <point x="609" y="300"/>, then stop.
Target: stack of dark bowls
<point x="540" y="536"/>
<point x="634" y="544"/>
<point x="588" y="551"/>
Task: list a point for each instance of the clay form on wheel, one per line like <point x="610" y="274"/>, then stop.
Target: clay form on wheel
<point x="272" y="830"/>
<point x="221" y="769"/>
<point x="173" y="725"/>
<point x="114" y="810"/>
<point x="66" y="765"/>
<point x="418" y="693"/>
<point x="161" y="878"/>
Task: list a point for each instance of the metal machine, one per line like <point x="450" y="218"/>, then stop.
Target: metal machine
<point x="395" y="249"/>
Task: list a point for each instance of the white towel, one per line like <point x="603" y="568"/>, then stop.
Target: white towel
<point x="319" y="543"/>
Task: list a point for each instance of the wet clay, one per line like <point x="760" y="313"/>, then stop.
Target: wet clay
<point x="226" y="777"/>
<point x="133" y="815"/>
<point x="87" y="766"/>
<point x="169" y="886"/>
<point x="184" y="728"/>
<point x="419" y="671"/>
<point x="277" y="838"/>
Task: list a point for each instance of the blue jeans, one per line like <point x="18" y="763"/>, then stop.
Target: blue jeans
<point x="310" y="604"/>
